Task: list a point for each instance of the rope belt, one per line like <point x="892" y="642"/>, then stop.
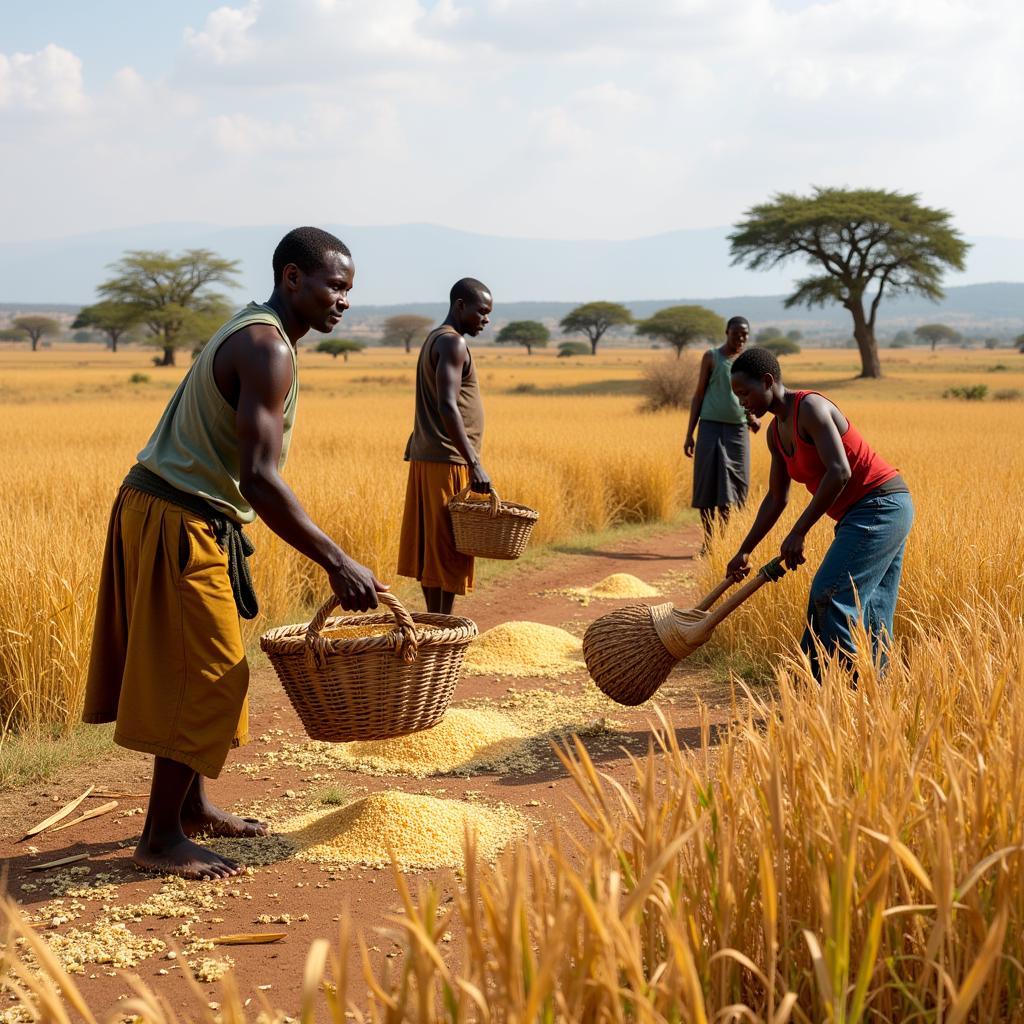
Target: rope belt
<point x="226" y="531"/>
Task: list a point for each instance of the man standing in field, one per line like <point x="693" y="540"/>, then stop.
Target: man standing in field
<point x="168" y="662"/>
<point x="721" y="455"/>
<point x="444" y="449"/>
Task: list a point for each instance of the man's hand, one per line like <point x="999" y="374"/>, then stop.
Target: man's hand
<point x="355" y="586"/>
<point x="739" y="566"/>
<point x="792" y="550"/>
<point x="479" y="481"/>
<point x="688" y="446"/>
<point x="754" y="423"/>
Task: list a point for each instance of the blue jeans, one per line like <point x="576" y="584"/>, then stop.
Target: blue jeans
<point x="865" y="561"/>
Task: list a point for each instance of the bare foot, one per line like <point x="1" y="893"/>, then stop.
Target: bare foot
<point x="183" y="857"/>
<point x="212" y="821"/>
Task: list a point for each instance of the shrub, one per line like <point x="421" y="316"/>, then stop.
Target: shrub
<point x="573" y="348"/>
<point x="1008" y="395"/>
<point x="139" y="378"/>
<point x="998" y="368"/>
<point x="781" y="346"/>
<point x="669" y="383"/>
<point x="525" y="388"/>
<point x="970" y="392"/>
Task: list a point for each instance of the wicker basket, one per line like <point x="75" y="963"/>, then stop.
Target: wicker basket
<point x="490" y="528"/>
<point x="369" y="687"/>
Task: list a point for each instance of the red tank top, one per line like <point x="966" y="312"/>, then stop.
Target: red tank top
<point x="868" y="469"/>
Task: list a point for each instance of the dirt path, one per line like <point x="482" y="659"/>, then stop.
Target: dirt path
<point x="267" y="777"/>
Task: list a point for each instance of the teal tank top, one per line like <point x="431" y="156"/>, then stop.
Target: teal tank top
<point x="195" y="445"/>
<point x="720" y="403"/>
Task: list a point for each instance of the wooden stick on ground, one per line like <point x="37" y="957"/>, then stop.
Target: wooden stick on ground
<point x="55" y="817"/>
<point x="94" y="813"/>
<point x="248" y="938"/>
<point x="59" y="863"/>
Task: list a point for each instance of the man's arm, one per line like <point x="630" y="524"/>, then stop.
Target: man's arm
<point x="452" y="354"/>
<point x="263" y="366"/>
<point x="816" y="420"/>
<point x="772" y="506"/>
<point x="707" y="364"/>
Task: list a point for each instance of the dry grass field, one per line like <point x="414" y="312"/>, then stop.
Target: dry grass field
<point x="840" y="854"/>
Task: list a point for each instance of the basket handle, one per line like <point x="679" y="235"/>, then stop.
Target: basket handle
<point x="770" y="572"/>
<point x="317" y="646"/>
<point x="495" y="501"/>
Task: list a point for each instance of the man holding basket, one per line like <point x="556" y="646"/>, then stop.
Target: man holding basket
<point x="443" y="451"/>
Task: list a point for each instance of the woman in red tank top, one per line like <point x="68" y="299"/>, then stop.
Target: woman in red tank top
<point x="813" y="443"/>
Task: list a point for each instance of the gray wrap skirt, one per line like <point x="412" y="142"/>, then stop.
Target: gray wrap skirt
<point x="721" y="464"/>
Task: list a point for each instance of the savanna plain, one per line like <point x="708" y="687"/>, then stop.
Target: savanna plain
<point x="833" y="853"/>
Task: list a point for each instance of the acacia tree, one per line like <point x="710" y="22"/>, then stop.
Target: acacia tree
<point x="340" y="347"/>
<point x="36" y="327"/>
<point x="171" y="294"/>
<point x="114" y="319"/>
<point x="934" y="333"/>
<point x="527" y="333"/>
<point x="866" y="243"/>
<point x="593" y="319"/>
<point x="402" y="328"/>
<point x="682" y="325"/>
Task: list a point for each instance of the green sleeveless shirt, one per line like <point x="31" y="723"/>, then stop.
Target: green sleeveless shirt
<point x="195" y="444"/>
<point x="720" y="403"/>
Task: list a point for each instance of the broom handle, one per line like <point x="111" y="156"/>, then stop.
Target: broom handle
<point x="707" y="601"/>
<point x="768" y="573"/>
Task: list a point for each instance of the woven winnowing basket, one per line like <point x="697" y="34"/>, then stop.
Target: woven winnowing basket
<point x="369" y="687"/>
<point x="491" y="528"/>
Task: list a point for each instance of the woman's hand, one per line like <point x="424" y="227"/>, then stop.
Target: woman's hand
<point x="754" y="423"/>
<point x="688" y="446"/>
<point x="792" y="550"/>
<point x="738" y="567"/>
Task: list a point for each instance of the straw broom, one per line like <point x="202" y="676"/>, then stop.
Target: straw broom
<point x="630" y="651"/>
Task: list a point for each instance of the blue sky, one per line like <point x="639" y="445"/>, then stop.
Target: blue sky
<point x="530" y="118"/>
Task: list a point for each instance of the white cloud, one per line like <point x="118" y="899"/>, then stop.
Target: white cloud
<point x="49" y="81"/>
<point x="526" y="117"/>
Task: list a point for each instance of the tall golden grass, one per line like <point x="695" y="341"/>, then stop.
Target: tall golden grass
<point x="838" y="854"/>
<point x="72" y="426"/>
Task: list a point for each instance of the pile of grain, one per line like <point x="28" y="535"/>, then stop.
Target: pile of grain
<point x="620" y="585"/>
<point x="421" y="831"/>
<point x="524" y="649"/>
<point x="464" y="740"/>
<point x="355" y="632"/>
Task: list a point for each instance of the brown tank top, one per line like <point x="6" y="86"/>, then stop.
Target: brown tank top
<point x="429" y="441"/>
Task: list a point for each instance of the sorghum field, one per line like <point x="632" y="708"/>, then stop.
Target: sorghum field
<point x="842" y="854"/>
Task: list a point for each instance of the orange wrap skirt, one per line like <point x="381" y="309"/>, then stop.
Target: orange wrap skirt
<point x="426" y="551"/>
<point x="168" y="662"/>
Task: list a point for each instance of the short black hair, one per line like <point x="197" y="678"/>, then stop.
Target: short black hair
<point x="737" y="320"/>
<point x="469" y="289"/>
<point x="308" y="248"/>
<point x="756" y="362"/>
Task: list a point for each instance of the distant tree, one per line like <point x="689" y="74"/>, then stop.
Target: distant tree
<point x="593" y="319"/>
<point x="903" y="337"/>
<point x="781" y="346"/>
<point x="1019" y="342"/>
<point x="37" y="327"/>
<point x="767" y="334"/>
<point x="682" y="325"/>
<point x="865" y="242"/>
<point x="403" y="328"/>
<point x="208" y="316"/>
<point x="171" y="294"/>
<point x="528" y="333"/>
<point x="991" y="343"/>
<point x="573" y="348"/>
<point x="340" y="347"/>
<point x="795" y="335"/>
<point x="934" y="333"/>
<point x="12" y="334"/>
<point x="114" y="319"/>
